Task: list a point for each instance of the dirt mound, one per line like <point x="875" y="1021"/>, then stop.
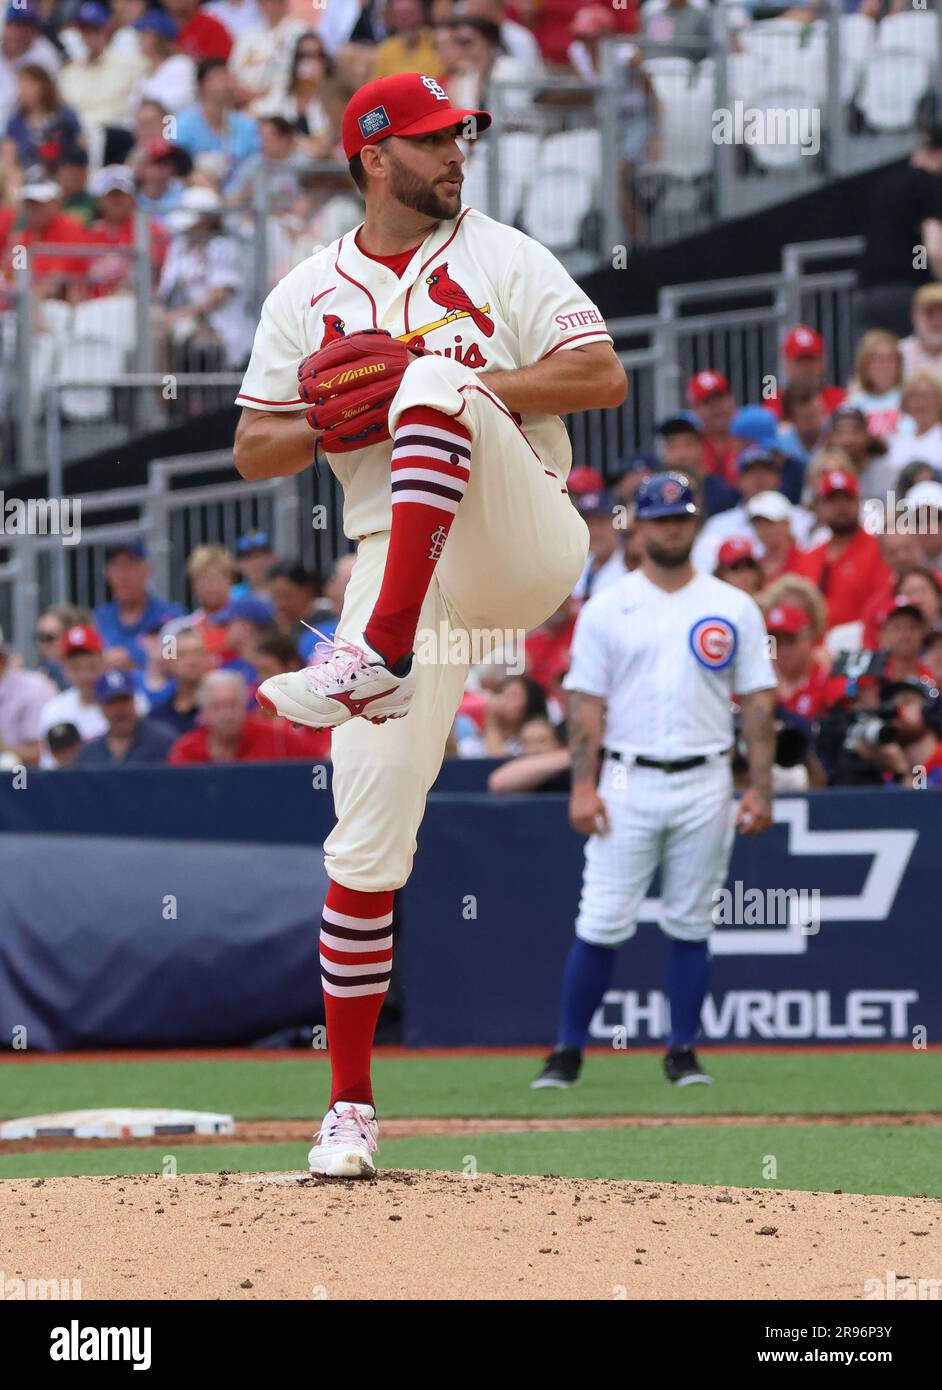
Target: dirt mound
<point x="441" y="1235"/>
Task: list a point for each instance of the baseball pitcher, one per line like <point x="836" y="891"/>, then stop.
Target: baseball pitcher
<point x="431" y="352"/>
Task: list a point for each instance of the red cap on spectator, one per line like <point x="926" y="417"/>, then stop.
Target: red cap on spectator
<point x="410" y="103"/>
<point x="158" y="149"/>
<point x="584" y="479"/>
<point x="803" y="342"/>
<point x="705" y="384"/>
<point x="81" y="638"/>
<point x="591" y="21"/>
<point x="785" y="617"/>
<point x="736" y="548"/>
<point x="838" y="480"/>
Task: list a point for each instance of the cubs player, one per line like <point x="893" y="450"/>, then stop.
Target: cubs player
<point x="441" y="422"/>
<point x="656" y="659"/>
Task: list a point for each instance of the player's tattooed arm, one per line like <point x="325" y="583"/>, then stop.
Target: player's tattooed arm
<point x="270" y="444"/>
<point x="585" y="718"/>
<point x="757" y="724"/>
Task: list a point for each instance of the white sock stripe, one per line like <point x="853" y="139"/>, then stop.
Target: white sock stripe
<point x="428" y="475"/>
<point x="352" y="991"/>
<point x="341" y="919"/>
<point x="442" y="455"/>
<point x="433" y="432"/>
<point x="373" y="967"/>
<point x="427" y="499"/>
<point x="339" y="943"/>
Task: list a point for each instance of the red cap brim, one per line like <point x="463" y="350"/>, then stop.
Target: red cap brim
<point x="440" y="120"/>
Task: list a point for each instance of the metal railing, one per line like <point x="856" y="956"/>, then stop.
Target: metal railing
<point x="733" y="326"/>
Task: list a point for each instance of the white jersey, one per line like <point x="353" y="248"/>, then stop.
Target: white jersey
<point x="480" y="292"/>
<point x="667" y="664"/>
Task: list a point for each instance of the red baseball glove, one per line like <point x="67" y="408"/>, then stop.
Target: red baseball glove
<point x="349" y="385"/>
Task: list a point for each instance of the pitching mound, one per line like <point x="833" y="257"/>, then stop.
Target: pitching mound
<point x="441" y="1235"/>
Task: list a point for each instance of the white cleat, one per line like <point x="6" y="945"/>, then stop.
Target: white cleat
<point x="346" y="1142"/>
<point x="346" y="680"/>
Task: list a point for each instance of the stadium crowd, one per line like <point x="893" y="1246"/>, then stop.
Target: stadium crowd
<point x="824" y="502"/>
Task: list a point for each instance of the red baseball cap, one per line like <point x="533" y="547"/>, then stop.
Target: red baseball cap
<point x="785" y="617"/>
<point x="158" y="149"/>
<point x="838" y="480"/>
<point x="408" y="104"/>
<point x="584" y="479"/>
<point x="81" y="638"/>
<point x="803" y="342"/>
<point x="736" y="548"/>
<point x="705" y="384"/>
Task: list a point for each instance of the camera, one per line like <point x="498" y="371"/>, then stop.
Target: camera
<point x="873" y="726"/>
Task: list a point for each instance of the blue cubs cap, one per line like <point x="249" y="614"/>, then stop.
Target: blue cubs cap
<point x="114" y="685"/>
<point x="666" y="494"/>
<point x="23" y="14"/>
<point x="132" y="546"/>
<point x="593" y="503"/>
<point x="249" y="607"/>
<point x="755" y="423"/>
<point x="749" y="457"/>
<point x="159" y="23"/>
<point x="681" y="422"/>
<point x="91" y="15"/>
<point x="641" y="462"/>
<point x="253" y="540"/>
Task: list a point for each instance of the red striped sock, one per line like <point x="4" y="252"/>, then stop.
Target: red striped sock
<point x="431" y="464"/>
<point x="356" y="961"/>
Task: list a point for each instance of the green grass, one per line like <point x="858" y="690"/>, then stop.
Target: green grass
<point x="890" y="1160"/>
<point x="616" y="1084"/>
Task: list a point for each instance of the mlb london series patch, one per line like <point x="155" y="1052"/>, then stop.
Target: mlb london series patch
<point x="373" y="121"/>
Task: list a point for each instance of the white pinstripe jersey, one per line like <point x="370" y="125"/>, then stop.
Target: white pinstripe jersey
<point x="522" y="306"/>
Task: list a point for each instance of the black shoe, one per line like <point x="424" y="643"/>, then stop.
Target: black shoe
<point x="561" y="1069"/>
<point x="682" y="1068"/>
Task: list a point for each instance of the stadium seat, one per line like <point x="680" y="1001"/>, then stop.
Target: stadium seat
<point x="856" y="42"/>
<point x="893" y="84"/>
<point x="685" y="130"/>
<point x="99" y="360"/>
<point x="579" y="150"/>
<point x="669" y="67"/>
<point x="911" y="31"/>
<point x="519" y="152"/>
<point x="556" y="206"/>
<point x="111" y="320"/>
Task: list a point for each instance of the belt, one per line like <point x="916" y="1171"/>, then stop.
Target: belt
<point x="678" y="765"/>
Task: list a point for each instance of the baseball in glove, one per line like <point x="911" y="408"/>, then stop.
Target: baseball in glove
<point x="349" y="386"/>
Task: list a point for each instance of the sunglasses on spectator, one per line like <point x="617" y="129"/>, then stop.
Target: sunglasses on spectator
<point x="743" y="565"/>
<point x="46" y="636"/>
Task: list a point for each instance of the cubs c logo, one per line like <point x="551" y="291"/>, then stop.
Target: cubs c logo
<point x="713" y="643"/>
<point x="670" y="490"/>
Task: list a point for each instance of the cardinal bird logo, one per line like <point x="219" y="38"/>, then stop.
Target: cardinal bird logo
<point x="334" y="328"/>
<point x="442" y="289"/>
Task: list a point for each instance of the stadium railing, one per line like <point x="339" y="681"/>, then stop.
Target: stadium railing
<point x="185" y="504"/>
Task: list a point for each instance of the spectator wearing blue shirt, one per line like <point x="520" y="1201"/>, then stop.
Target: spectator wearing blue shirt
<point x="134" y="610"/>
<point x="801" y="432"/>
<point x="159" y="185"/>
<point x="246" y="620"/>
<point x="292" y="591"/>
<point x="189" y="662"/>
<point x="213" y="125"/>
<point x="130" y="740"/>
<point x="755" y="427"/>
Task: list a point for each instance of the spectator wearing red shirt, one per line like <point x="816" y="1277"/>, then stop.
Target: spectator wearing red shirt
<point x="113" y="186"/>
<point x="774" y="520"/>
<point x="915" y="758"/>
<point x="201" y="36"/>
<point x="228" y="734"/>
<point x="709" y="394"/>
<point x="803" y="356"/>
<point x="738" y="564"/>
<point x="902" y="552"/>
<point x="848" y="567"/>
<point x="547" y="647"/>
<point x="60" y="274"/>
<point x="802" y="676"/>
